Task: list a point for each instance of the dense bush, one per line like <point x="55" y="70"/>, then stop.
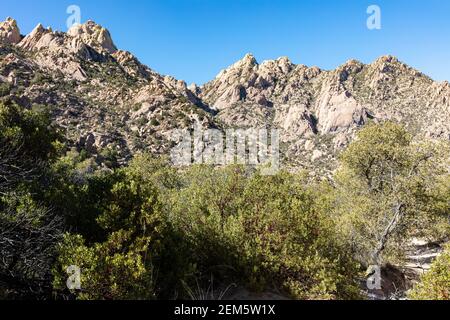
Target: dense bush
<point x="29" y="230"/>
<point x="28" y="235"/>
<point x="133" y="261"/>
<point x="390" y="187"/>
<point x="262" y="232"/>
<point x="167" y="232"/>
<point x="29" y="132"/>
<point x="5" y="88"/>
<point x="152" y="231"/>
<point x="121" y="266"/>
<point x="435" y="284"/>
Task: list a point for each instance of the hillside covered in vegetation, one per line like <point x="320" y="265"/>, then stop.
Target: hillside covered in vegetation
<point x="151" y="231"/>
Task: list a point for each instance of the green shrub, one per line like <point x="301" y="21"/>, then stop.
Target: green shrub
<point x="29" y="130"/>
<point x="388" y="189"/>
<point x="121" y="266"/>
<point x="262" y="232"/>
<point x="154" y="122"/>
<point x="167" y="230"/>
<point x="137" y="258"/>
<point x="28" y="234"/>
<point x="29" y="230"/>
<point x="435" y="285"/>
<point x="38" y="78"/>
<point x="5" y="88"/>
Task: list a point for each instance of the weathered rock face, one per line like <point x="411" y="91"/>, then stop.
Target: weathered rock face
<point x="57" y="52"/>
<point x="250" y="88"/>
<point x="93" y="35"/>
<point x="37" y="39"/>
<point x="9" y="32"/>
<point x="338" y="112"/>
<point x="105" y="99"/>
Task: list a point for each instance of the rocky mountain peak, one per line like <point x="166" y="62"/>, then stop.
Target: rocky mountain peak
<point x="284" y="61"/>
<point x="249" y="58"/>
<point x="352" y="64"/>
<point x="388" y="63"/>
<point x="93" y="35"/>
<point x="282" y="64"/>
<point x="34" y="39"/>
<point x="9" y="32"/>
<point x="387" y="58"/>
<point x="246" y="63"/>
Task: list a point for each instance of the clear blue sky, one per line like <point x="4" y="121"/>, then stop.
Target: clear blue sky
<point x="194" y="39"/>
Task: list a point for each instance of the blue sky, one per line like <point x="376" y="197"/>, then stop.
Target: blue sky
<point x="193" y="40"/>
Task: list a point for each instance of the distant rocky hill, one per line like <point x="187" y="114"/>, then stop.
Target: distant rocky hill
<point x="102" y="97"/>
<point x="318" y="111"/>
<point x="106" y="100"/>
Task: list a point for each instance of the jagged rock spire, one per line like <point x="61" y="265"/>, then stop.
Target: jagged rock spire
<point x="9" y="32"/>
<point x="33" y="39"/>
<point x="94" y="35"/>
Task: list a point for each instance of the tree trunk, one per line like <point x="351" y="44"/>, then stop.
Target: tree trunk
<point x="398" y="215"/>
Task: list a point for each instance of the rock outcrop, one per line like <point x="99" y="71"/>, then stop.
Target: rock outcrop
<point x="39" y="38"/>
<point x="9" y="32"/>
<point x="93" y="35"/>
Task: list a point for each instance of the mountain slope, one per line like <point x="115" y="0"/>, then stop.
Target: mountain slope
<point x="318" y="111"/>
<point x="101" y="96"/>
<point x="107" y="101"/>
